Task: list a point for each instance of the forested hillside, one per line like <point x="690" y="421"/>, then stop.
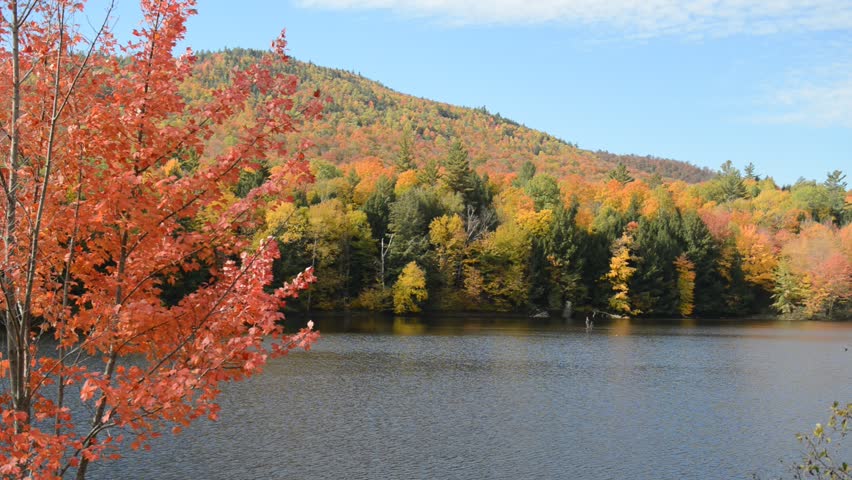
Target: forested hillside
<point x="365" y="118"/>
<point x="415" y="205"/>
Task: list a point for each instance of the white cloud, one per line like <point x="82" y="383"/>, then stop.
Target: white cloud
<point x="818" y="101"/>
<point x="648" y="18"/>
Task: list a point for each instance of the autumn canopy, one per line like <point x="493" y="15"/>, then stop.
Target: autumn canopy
<point x="110" y="195"/>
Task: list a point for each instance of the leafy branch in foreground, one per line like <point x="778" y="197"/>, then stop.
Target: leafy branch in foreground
<point x="820" y="460"/>
<point x="110" y="196"/>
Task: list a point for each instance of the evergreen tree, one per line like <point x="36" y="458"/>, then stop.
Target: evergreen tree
<point x="358" y="266"/>
<point x="634" y="209"/>
<point x="430" y="174"/>
<point x="621" y="175"/>
<point x="835" y="181"/>
<point x="565" y="247"/>
<point x="346" y="192"/>
<point x="655" y="181"/>
<point x="544" y="191"/>
<point x="410" y="216"/>
<point x="405" y="157"/>
<point x="457" y="171"/>
<point x="251" y="179"/>
<point x="730" y="183"/>
<point x="377" y="206"/>
<point x="788" y="294"/>
<point x="658" y="244"/>
<point x="538" y="278"/>
<point x="482" y="194"/>
<point x="412" y="212"/>
<point x="608" y="226"/>
<point x="840" y="211"/>
<point x="703" y="251"/>
<point x="749" y="172"/>
<point x="738" y="293"/>
<point x="526" y="174"/>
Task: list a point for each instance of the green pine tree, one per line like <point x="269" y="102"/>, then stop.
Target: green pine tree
<point x="730" y="183"/>
<point x="377" y="206"/>
<point x="526" y="174"/>
<point x="457" y="171"/>
<point x="544" y="191"/>
<point x="703" y="251"/>
<point x="405" y="157"/>
<point x="658" y="244"/>
<point x="430" y="174"/>
<point x="565" y="249"/>
<point x="788" y="295"/>
<point x="621" y="174"/>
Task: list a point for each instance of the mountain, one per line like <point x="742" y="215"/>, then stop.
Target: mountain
<point x="365" y="118"/>
<point x="421" y="205"/>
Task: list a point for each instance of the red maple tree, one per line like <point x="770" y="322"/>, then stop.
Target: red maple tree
<point x="108" y="199"/>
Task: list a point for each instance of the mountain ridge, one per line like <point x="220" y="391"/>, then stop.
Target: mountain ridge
<point x="367" y="118"/>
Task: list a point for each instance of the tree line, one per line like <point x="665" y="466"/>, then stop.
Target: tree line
<point x="406" y="234"/>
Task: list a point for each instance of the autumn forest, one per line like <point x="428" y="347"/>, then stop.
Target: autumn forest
<point x="161" y="213"/>
<point x="419" y="206"/>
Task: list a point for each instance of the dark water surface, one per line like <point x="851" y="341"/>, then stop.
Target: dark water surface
<point x="461" y="399"/>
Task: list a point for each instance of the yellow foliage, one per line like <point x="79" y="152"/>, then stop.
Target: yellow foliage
<point x="171" y="166"/>
<point x="473" y="283"/>
<point x="534" y="223"/>
<point x="509" y="241"/>
<point x="496" y="273"/>
<point x="329" y="188"/>
<point x="409" y="289"/>
<point x="448" y="236"/>
<point x="284" y="221"/>
<point x="620" y="271"/>
<point x="374" y="299"/>
<point x="213" y="212"/>
<point x="685" y="284"/>
<point x="510" y="202"/>
<point x="773" y="208"/>
<point x="447" y="232"/>
<point x="406" y="181"/>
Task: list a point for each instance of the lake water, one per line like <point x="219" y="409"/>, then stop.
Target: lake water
<point x="506" y="399"/>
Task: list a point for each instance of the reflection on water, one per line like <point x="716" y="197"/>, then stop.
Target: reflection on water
<point x="510" y="398"/>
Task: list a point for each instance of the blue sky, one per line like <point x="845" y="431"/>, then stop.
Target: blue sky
<point x="762" y="81"/>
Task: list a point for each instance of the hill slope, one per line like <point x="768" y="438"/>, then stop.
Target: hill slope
<point x="365" y="118"/>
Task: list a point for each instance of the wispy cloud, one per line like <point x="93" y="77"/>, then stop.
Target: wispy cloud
<point x="813" y="105"/>
<point x="647" y="18"/>
<point x="820" y="97"/>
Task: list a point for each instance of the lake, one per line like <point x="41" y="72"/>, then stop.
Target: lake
<point x="513" y="399"/>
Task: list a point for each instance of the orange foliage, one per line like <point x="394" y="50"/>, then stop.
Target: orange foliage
<point x="684" y="196"/>
<point x="511" y="202"/>
<point x="97" y="226"/>
<point x="759" y="255"/>
<point x="576" y="188"/>
<point x="405" y="181"/>
<point x="369" y="170"/>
